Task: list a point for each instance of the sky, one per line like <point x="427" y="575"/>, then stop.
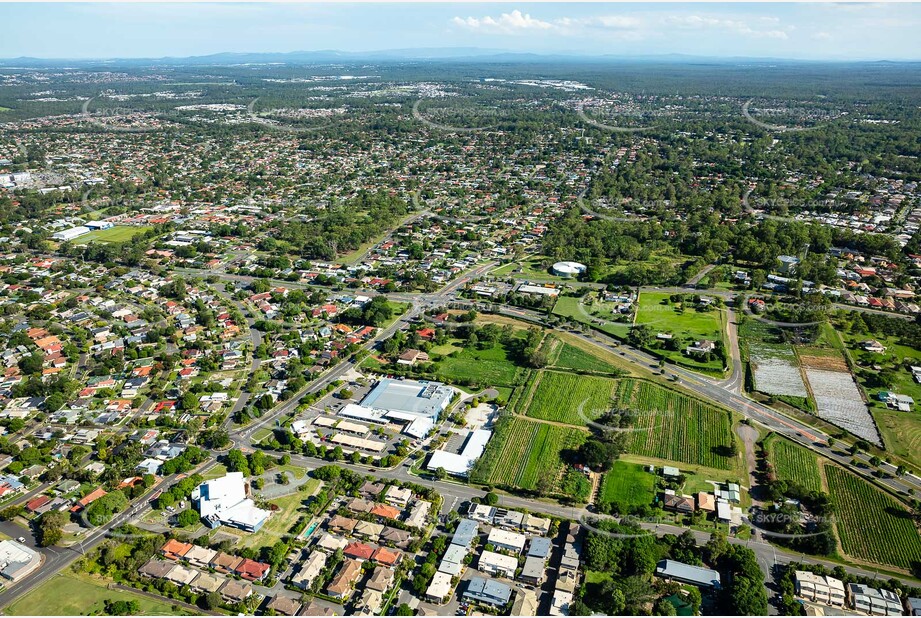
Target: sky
<point x="816" y="31"/>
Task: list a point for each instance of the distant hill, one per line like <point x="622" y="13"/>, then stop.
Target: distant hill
<point x="446" y="54"/>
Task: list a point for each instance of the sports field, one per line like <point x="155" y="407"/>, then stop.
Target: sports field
<point x="119" y="233"/>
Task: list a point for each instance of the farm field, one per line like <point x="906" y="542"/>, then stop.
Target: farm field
<point x="839" y="402"/>
<point x="72" y="594"/>
<point x="567" y="356"/>
<point x="674" y="427"/>
<point x="628" y="485"/>
<point x="119" y="233"/>
<point x="872" y="525"/>
<point x="660" y="315"/>
<point x="489" y="367"/>
<point x="776" y="370"/>
<point x="794" y="463"/>
<point x="559" y="397"/>
<point x="523" y="451"/>
<point x="901" y="432"/>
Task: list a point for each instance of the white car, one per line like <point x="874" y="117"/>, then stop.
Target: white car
<point x="21" y="539"/>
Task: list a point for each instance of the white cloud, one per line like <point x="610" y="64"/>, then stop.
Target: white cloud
<point x="822" y="36"/>
<point x="698" y="22"/>
<point x="518" y="22"/>
<point x="506" y="23"/>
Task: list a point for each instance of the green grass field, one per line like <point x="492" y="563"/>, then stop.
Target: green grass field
<point x="659" y="315"/>
<point x="521" y="452"/>
<point x="566" y="356"/>
<point x="119" y="233"/>
<point x="674" y="427"/>
<point x="72" y="594"/>
<point x="568" y="397"/>
<point x="568" y="306"/>
<point x="872" y="525"/>
<point x="489" y="367"/>
<point x="794" y="463"/>
<point x="627" y="484"/>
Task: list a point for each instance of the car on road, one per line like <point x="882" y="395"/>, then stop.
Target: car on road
<point x="21" y="539"/>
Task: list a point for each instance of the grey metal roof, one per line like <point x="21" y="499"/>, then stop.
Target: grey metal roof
<point x="539" y="547"/>
<point x="488" y="590"/>
<point x="467" y="530"/>
<point x="688" y="573"/>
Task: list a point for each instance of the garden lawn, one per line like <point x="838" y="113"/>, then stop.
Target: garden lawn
<point x="568" y="306"/>
<point x="628" y="485"/>
<point x="72" y="594"/>
<point x="281" y="521"/>
<point x="872" y="525"/>
<point x="696" y="325"/>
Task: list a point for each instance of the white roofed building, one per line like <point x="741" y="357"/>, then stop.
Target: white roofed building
<point x="224" y="501"/>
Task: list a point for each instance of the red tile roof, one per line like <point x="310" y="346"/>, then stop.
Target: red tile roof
<point x="252" y="570"/>
<point x="359" y="550"/>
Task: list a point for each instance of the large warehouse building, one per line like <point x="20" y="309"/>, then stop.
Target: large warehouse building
<point x="415" y="404"/>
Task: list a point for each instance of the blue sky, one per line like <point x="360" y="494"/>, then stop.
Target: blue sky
<point x="808" y="31"/>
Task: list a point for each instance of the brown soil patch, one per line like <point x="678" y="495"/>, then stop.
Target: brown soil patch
<point x="825" y="362"/>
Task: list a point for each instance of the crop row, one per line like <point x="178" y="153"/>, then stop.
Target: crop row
<point x="794" y="463"/>
<point x="674" y="427"/>
<point x="570" y="398"/>
<point x="523" y="452"/>
<point x="872" y="525"/>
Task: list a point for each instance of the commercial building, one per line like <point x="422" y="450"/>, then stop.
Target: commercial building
<point x="224" y="501"/>
<point x="71" y="233"/>
<point x="17" y="560"/>
<point x="416" y="404"/>
<point x="459" y="464"/>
